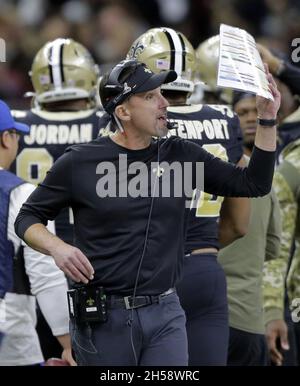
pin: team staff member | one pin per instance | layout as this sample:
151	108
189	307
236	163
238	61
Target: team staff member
123	243
245	259
288	193
32	273
202	290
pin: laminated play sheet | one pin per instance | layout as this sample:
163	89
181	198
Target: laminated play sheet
240	65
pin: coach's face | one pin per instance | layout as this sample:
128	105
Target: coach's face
147	113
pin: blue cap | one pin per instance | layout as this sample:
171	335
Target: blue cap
7	122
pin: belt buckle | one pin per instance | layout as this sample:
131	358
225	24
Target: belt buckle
127	303
128	300
166	293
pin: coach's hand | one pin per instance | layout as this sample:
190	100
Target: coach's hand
72	262
68	258
266	108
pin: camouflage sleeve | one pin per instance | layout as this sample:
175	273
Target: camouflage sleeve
274	267
274	230
293	279
275	270
288	211
292	174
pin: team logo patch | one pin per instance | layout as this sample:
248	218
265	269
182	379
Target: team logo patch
127	88
44	79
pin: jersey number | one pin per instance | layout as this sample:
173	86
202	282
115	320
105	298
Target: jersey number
33	164
209	205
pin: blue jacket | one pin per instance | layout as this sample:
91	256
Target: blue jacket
8	181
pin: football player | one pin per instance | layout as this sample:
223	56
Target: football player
207	54
64	112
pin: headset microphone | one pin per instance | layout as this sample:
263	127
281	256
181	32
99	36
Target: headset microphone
171	125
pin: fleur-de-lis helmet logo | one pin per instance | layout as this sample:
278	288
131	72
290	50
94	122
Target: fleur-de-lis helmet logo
135	50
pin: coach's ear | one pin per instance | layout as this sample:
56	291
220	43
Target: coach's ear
123	113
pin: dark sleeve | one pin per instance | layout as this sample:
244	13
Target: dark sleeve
226	179
291	77
46	201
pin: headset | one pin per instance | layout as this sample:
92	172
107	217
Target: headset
113	85
120	89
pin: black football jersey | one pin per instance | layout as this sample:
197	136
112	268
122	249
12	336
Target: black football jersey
50	134
217	129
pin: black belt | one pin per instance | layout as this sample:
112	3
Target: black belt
129	302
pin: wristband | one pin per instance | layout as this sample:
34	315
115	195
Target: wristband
266	122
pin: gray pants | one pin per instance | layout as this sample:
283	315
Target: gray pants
155	337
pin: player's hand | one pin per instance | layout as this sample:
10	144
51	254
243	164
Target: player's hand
277	330
68	357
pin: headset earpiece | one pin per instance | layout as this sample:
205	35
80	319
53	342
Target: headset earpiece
115	85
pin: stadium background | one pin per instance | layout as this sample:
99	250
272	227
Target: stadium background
108	27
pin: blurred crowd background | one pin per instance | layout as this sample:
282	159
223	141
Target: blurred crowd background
108	27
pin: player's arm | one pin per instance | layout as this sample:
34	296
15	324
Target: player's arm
234	220
288	73
47	282
234	217
274	284
273	295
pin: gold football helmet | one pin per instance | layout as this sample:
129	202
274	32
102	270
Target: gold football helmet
165	49
63	70
207	55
